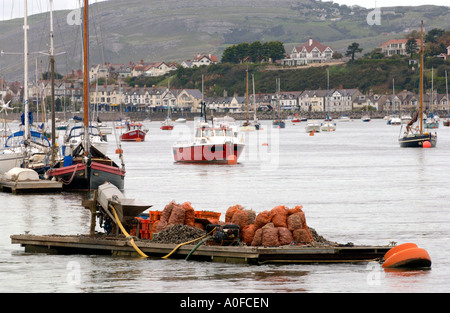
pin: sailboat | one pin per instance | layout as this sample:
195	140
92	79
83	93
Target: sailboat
278	123
24	147
255	119
416	137
446	121
167	124
394	119
247	126
328	125
431	121
9	157
87	168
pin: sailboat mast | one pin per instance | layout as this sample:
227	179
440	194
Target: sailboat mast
254	99
421	79
328	94
86	75
25	73
247	96
52	66
446	90
393	96
432	87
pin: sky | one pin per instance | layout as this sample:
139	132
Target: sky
14	8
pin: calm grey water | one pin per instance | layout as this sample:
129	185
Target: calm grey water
356	185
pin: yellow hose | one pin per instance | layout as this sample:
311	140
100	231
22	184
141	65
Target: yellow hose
185	243
127	235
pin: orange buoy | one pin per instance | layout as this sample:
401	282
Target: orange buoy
312	133
399	248
119	151
232	159
426	144
265	144
138	139
409	258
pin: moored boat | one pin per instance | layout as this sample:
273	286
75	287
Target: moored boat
211	144
134	132
416	137
312	126
86	167
167	124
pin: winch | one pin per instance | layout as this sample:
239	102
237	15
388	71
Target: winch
225	235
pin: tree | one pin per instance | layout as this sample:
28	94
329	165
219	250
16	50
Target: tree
411	46
352	49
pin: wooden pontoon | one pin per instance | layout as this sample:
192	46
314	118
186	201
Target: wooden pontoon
20	180
119	245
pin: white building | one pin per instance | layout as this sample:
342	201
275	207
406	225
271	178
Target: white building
311	51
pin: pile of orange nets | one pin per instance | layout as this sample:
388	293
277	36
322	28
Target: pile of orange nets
277	227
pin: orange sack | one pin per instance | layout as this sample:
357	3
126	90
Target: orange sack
297	209
284	236
165	214
270	236
177	216
230	212
262	219
251	216
302	236
257	239
296	221
247	234
279	216
189	217
240	218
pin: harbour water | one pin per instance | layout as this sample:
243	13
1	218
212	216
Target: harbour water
355	184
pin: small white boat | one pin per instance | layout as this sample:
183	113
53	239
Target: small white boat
180	120
405	118
344	118
328	126
366	118
394	120
312	125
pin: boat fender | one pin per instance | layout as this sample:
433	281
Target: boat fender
409	258
399	248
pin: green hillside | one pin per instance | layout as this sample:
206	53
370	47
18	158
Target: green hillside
173	30
365	74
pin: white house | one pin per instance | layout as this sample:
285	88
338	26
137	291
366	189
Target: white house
396	46
311	51
342	99
202	59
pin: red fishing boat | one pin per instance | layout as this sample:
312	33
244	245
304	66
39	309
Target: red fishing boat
134	132
211	144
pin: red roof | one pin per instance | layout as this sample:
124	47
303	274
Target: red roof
310	45
391	41
211	57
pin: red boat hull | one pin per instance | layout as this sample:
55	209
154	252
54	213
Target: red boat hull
133	135
221	153
167	127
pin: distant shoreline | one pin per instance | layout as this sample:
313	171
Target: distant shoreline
160	116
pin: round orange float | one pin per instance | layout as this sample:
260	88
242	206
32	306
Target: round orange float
399	248
408	258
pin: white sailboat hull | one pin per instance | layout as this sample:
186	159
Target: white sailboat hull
9	160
